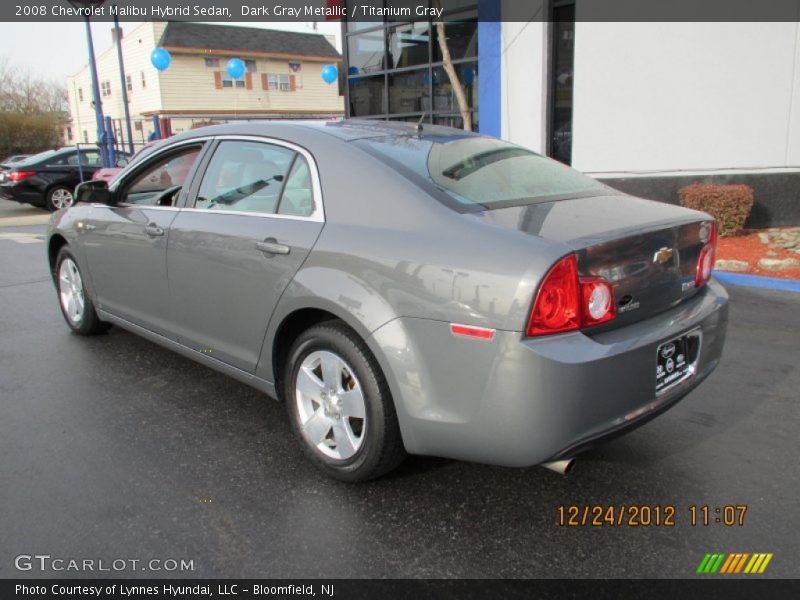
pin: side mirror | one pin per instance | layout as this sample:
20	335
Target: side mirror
95	192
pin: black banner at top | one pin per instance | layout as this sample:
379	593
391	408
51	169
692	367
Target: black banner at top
377	11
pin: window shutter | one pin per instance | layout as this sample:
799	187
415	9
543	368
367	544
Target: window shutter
248	81
293	83
218	79
264	82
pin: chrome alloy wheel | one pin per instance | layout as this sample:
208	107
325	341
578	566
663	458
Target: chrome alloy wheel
70	290
61	198
331	405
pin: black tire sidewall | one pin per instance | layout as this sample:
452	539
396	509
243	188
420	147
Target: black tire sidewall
89	320
349	347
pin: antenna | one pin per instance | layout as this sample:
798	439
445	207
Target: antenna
419	124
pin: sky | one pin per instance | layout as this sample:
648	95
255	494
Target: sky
57	50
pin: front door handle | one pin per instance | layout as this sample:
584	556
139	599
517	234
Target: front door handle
153	230
271	246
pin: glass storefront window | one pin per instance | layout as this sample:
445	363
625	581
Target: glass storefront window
409	91
366	51
462	37
408	45
394	66
444	98
366	96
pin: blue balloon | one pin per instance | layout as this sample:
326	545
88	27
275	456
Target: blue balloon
161	59
467	75
330	73
236	68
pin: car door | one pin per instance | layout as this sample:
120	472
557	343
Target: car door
126	244
249	224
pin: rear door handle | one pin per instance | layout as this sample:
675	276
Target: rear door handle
271	246
153	230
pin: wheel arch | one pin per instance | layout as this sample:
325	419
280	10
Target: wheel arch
54	245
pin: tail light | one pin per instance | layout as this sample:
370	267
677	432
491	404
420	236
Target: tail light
16	176
567	302
705	262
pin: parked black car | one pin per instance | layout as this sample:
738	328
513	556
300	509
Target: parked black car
48	179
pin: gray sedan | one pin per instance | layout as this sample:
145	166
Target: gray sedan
401	289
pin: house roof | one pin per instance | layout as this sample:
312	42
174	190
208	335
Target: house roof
246	40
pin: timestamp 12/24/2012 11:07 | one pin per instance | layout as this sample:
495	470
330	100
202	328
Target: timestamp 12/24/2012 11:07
649	515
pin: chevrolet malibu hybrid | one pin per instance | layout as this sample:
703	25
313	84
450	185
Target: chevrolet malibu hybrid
401	289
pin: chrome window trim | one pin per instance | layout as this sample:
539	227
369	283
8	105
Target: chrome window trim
318	216
157	153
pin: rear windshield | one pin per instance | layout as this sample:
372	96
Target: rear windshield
479	173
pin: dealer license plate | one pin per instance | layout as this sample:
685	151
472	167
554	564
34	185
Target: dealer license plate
676	360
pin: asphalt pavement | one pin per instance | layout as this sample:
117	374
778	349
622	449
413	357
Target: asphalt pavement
114	448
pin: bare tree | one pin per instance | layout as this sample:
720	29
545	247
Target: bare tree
455	82
22	92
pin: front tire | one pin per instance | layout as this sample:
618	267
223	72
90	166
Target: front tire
59	197
75	303
340	406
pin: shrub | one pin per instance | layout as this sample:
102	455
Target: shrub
730	205
27	133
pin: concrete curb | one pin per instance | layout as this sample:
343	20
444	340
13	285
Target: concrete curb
757	281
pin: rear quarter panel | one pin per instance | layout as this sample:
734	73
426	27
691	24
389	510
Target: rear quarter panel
389	250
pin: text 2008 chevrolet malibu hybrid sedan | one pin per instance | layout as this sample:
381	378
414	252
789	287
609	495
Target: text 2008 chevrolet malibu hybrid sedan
401	289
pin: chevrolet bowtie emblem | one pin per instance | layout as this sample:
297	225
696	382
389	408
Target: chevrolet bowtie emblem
663	255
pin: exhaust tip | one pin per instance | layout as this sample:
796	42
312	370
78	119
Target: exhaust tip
560	466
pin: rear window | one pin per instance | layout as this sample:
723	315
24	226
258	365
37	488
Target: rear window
478	173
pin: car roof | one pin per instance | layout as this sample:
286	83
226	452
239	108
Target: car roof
343	129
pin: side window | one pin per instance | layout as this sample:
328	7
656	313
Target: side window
298	195
161	180
91	159
244	176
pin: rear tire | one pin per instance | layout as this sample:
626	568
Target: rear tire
59	197
340	406
73	299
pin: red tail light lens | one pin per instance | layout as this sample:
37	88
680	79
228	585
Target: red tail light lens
16	176
567	302
705	262
557	306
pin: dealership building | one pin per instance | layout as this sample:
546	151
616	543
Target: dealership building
645	106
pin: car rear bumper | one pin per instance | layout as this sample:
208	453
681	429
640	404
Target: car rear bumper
518	401
15	194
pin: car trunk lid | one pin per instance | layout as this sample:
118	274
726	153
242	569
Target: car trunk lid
647	250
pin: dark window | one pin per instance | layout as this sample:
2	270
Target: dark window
409	45
166	173
250	65
212	62
366	96
80	94
484	172
245	177
409	91
462	38
129	83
